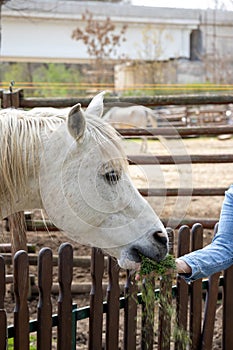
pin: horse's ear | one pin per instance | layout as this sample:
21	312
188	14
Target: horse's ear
76	122
96	106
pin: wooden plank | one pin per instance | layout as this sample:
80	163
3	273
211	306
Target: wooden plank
6	248
21	312
210	308
113	303
206	223
10	279
79	261
163	100
76	288
130	316
65	275
173	192
40	226
44	308
3	317
96	300
182	298
196	293
177	132
180	159
210	312
227	310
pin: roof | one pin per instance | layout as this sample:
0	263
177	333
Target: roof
74	9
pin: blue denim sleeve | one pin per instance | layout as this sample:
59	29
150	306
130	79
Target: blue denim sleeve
218	255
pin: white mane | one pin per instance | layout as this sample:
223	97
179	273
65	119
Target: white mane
20	139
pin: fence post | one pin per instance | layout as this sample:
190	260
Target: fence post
44	309
1	98
21	312
10	98
227	343
196	292
130	315
182	298
16	221
113	295
65	274
3	319
96	300
210	309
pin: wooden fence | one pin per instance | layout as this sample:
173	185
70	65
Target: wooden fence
192	314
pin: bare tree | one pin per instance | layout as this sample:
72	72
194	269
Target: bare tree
101	40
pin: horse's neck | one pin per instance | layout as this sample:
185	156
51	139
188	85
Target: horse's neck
26	196
29	200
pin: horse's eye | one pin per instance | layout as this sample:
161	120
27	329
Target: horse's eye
112	177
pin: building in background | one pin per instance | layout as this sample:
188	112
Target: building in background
162	44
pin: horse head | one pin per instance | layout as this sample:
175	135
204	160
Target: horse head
88	193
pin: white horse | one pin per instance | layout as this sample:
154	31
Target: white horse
70	163
131	117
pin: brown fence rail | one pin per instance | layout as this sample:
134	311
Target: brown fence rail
186	301
150	101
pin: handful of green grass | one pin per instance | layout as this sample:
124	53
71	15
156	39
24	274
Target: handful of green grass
148	269
148	265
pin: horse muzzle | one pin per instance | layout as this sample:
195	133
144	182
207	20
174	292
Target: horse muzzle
154	245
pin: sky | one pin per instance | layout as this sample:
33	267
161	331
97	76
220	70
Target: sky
201	4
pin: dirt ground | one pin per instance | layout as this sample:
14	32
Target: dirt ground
154	176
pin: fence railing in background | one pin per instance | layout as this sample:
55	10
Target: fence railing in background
150	101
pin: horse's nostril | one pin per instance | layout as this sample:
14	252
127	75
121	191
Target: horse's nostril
159	237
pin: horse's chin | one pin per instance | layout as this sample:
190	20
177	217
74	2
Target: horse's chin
129	264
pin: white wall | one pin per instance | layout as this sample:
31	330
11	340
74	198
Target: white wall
40	35
41	30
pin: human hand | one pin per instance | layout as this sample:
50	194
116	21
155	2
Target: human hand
182	267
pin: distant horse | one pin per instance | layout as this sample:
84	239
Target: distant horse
71	163
132	117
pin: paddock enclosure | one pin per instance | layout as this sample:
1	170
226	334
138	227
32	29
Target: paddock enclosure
116	315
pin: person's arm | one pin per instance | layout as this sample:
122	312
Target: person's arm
218	255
